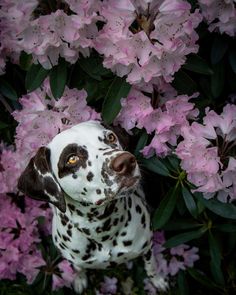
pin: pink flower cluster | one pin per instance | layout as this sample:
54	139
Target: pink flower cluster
220	15
147	39
64	276
170	261
165	122
108	286
18	239
15	16
61	33
206	154
65	32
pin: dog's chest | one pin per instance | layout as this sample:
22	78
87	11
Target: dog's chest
98	238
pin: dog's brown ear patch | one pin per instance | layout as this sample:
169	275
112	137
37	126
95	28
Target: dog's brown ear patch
38	182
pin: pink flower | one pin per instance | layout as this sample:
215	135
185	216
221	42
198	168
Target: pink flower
156	47
170	261
220	15
65	278
18	242
166	121
205	153
109	286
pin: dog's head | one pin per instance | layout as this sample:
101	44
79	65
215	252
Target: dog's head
85	162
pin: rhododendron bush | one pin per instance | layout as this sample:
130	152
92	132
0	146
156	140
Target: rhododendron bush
163	72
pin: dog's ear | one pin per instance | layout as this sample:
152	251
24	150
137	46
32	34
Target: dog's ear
38	182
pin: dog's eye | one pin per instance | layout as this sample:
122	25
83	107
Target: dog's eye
111	138
73	159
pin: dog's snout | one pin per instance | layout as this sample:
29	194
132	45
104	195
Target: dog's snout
124	163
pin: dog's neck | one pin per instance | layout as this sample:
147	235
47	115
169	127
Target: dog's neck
94	212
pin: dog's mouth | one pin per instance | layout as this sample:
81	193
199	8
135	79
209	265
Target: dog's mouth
127	183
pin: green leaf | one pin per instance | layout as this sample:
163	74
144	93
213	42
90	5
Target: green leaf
226	227
166	208
93	67
215	260
184	237
182	283
218	49
189	202
35	77
174	161
141	143
218	79
197	64
222	209
58	77
111	106
25	60
3	125
184	83
232	59
202	278
7	90
178	224
155	165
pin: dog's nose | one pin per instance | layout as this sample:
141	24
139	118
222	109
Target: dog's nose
124	164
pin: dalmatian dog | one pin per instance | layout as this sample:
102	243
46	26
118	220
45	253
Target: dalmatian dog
99	214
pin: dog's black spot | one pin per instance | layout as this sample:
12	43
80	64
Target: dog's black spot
76	251
105	238
79	212
89	163
85	189
129	216
113	264
148	255
114	243
72	149
86	257
145	245
55	238
98	230
127	243
107	225
122	218
71	207
65	238
98	191
115	222
91	246
120	254
96	156
123	234
64	219
86	231
61	246
129	202
74	176
69	232
90	176
58	233
70	226
138	209
143	220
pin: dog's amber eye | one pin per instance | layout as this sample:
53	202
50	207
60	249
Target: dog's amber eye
111	138
73	159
